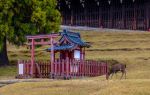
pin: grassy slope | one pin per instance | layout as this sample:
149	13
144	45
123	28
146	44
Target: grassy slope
80	87
131	48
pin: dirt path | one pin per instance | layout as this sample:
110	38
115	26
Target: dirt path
11	81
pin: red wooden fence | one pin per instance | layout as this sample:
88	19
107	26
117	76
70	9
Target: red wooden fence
65	69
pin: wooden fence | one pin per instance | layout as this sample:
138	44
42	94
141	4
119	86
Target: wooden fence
64	69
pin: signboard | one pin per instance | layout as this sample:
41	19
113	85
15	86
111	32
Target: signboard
76	54
21	69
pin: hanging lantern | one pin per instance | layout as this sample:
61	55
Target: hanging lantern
82	3
69	6
97	3
66	2
133	1
121	1
109	1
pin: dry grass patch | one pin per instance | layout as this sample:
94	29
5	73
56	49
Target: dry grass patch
126	87
70	87
94	86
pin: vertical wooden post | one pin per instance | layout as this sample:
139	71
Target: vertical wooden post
100	18
134	17
85	17
147	15
82	68
70	73
95	68
84	53
67	68
80	62
55	66
87	74
62	68
71	17
72	67
52	57
111	16
90	68
81	54
123	17
98	68
76	20
89	18
59	66
18	66
106	71
92	64
85	67
32	58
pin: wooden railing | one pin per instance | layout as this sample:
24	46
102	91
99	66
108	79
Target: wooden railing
62	69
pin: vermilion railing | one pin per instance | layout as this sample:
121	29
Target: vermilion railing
62	69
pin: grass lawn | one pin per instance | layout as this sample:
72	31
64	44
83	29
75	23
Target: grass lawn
93	86
131	48
8	72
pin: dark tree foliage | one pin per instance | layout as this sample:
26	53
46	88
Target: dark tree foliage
25	17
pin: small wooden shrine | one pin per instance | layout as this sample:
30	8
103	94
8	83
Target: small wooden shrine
70	46
68	63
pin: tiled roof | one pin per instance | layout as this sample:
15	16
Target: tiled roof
63	47
69	33
74	39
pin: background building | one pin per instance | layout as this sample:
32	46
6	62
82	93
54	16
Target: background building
118	14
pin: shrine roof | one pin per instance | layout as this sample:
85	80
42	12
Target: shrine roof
63	47
74	40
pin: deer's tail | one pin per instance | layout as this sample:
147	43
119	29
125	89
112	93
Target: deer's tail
125	65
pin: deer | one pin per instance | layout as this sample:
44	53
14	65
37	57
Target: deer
115	69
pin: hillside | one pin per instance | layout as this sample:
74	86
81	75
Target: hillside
131	48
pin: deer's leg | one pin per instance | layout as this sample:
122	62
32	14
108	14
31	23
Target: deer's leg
125	73
122	74
112	75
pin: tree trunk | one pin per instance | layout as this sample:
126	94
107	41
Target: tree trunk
3	54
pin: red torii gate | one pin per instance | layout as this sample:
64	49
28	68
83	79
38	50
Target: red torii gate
42	40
